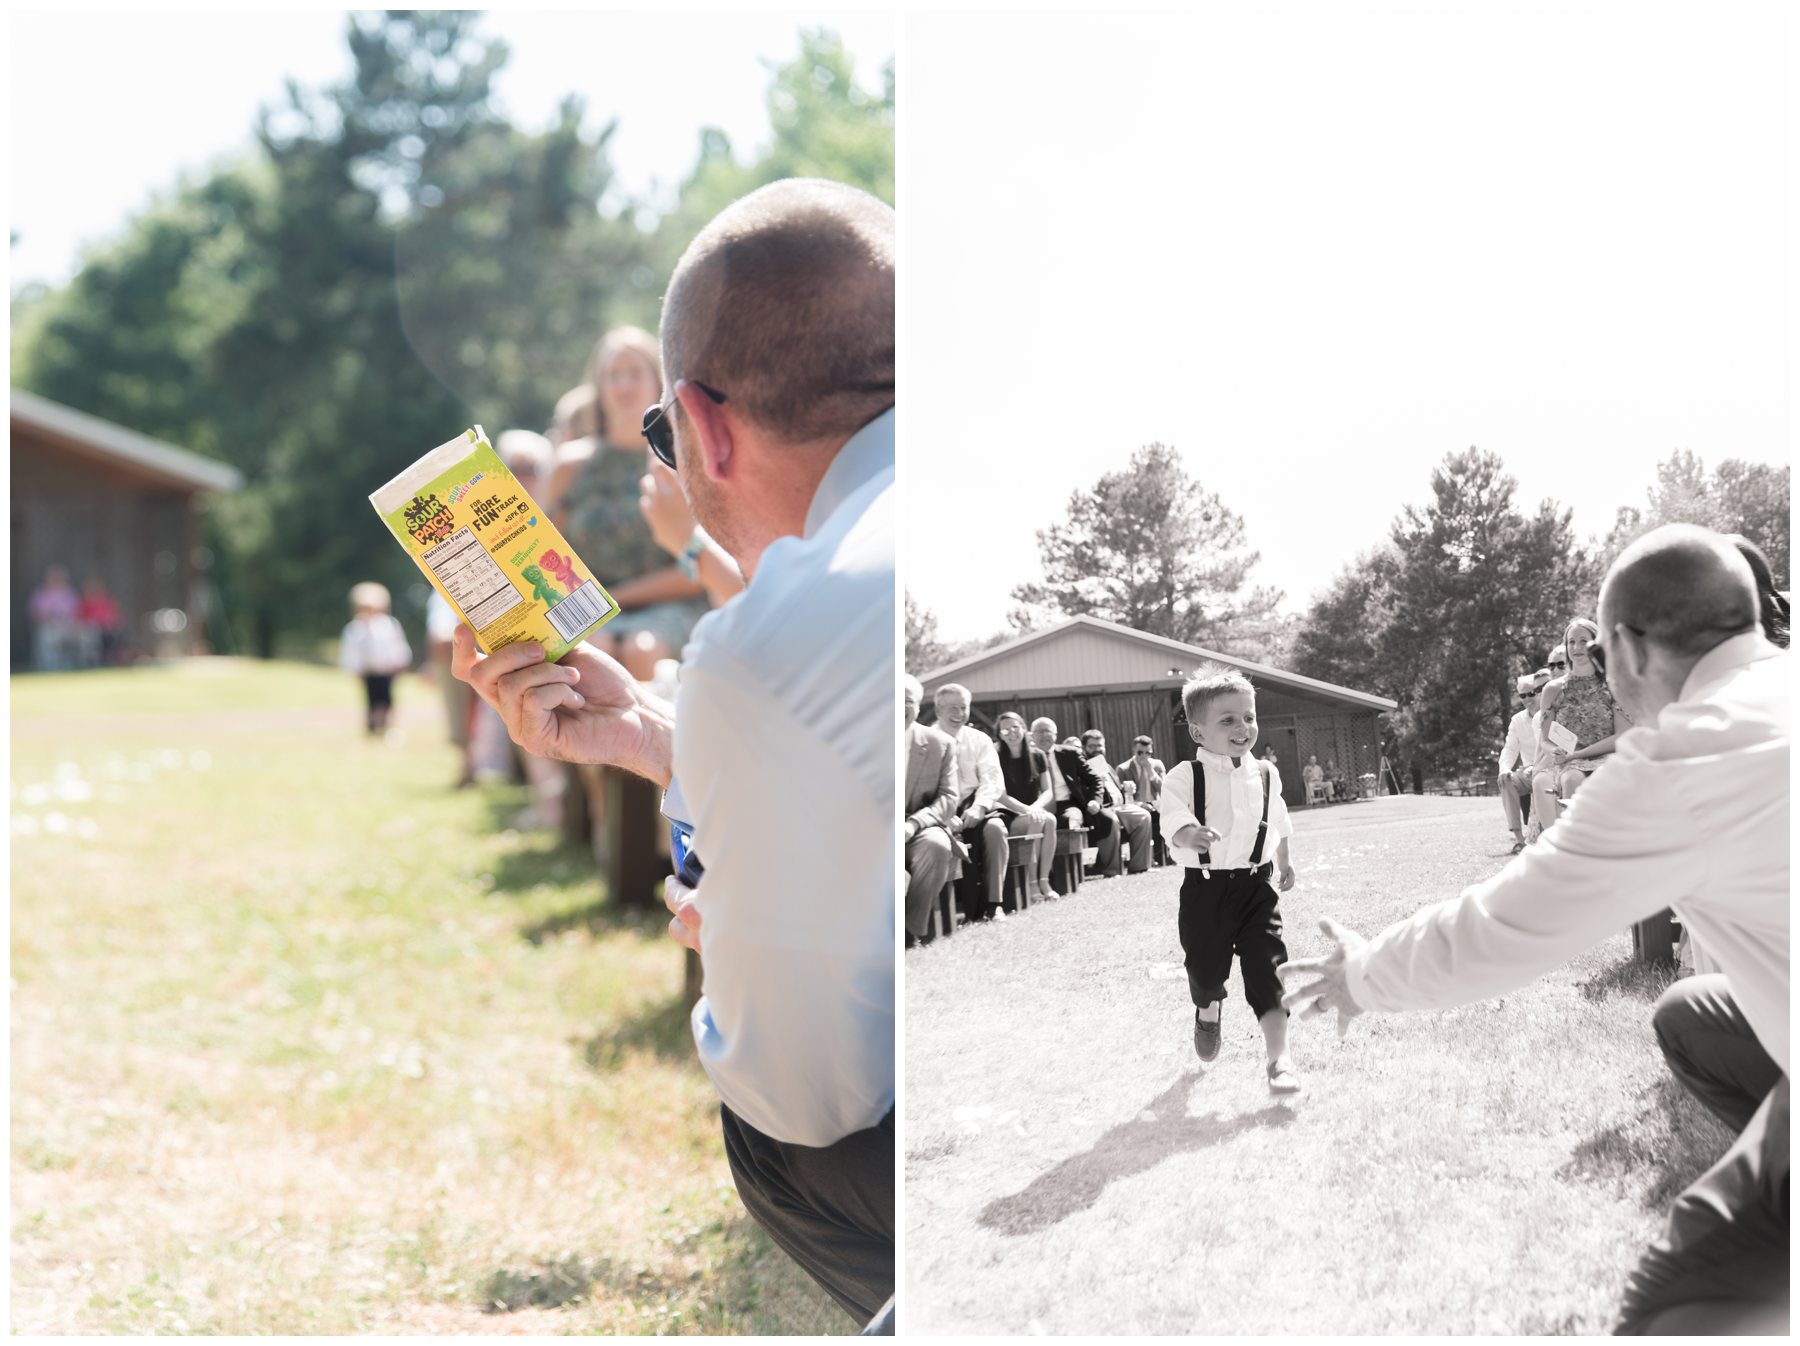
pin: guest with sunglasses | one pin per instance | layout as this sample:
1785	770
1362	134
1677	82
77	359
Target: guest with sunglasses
778	347
1578	700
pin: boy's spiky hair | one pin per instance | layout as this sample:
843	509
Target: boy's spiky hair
1210	681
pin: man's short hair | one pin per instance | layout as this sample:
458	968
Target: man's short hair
950	688
913	685
1526	684
1044	719
785	304
1685	587
1092	733
1208	684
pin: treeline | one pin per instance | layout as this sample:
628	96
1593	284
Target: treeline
1464	594
394	261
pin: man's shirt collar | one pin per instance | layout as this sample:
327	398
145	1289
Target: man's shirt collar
865	455
1727	657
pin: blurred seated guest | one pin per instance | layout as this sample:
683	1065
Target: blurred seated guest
1268	753
929	805
374	647
1314	776
55	636
1334	780
1074	793
596	484
1581	703
98	618
577	417
672	524
978	776
1771	603
1134	822
1518	756
1144	772
1556	665
1026	796
441	622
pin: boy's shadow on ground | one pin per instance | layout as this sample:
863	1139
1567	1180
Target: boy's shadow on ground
1127	1149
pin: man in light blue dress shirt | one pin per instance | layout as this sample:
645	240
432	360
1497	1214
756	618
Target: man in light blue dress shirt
1691	812
778	343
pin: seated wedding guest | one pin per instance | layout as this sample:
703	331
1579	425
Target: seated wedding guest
1313	775
55	637
1771	603
98	618
1074	793
1334	780
1026	797
672	524
1581	703
1519	754
1556	665
1134	823
981	830
1691	812
1144	772
929	805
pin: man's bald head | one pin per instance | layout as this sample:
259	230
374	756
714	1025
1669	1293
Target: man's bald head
785	303
1685	587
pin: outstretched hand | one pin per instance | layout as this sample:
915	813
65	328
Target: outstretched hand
1329	988
585	709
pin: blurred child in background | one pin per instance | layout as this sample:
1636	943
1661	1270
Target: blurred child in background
374	648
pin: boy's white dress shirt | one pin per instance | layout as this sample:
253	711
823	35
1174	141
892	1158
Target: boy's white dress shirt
1690	813
1234	798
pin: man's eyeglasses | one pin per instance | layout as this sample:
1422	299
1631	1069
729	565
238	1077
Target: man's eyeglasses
1597	652
659	424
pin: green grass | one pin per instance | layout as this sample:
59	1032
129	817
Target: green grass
1071	1168
304	1041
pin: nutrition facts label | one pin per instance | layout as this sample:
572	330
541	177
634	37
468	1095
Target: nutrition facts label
472	578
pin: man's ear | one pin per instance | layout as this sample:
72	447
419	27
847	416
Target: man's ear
1634	648
712	430
1193	731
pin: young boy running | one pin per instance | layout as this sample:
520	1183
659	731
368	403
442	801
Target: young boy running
1221	814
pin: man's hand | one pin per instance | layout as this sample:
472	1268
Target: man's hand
609	721
685	925
1093	806
1330	988
974	816
1285	880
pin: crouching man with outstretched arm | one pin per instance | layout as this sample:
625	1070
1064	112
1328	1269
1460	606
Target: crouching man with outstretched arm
1691	812
778	344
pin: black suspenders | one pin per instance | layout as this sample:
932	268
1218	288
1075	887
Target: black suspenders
1262	826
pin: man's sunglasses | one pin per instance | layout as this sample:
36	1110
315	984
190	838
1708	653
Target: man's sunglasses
659	424
1557	663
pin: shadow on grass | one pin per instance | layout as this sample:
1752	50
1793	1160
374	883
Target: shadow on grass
1127	1149
662	1030
1665	1141
554	863
567	1281
1630	979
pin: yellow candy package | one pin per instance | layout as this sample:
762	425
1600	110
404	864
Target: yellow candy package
485	546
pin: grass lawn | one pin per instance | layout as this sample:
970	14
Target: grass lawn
303	1041
1072	1168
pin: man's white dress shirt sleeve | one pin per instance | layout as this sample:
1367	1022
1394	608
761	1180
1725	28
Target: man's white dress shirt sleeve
1513	751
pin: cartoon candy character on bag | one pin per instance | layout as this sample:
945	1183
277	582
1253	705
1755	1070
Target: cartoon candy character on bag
540	587
560	566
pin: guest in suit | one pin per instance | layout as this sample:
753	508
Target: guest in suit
930	804
978	775
1691	812
1133	821
1519	755
1145	771
1074	792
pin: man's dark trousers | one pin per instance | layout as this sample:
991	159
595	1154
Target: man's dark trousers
831	1209
1727	1239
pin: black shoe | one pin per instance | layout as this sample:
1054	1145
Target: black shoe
1206	1036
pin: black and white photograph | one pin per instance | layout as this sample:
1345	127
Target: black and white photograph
1346	547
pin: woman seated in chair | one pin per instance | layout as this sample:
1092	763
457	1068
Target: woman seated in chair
1025	803
1579	701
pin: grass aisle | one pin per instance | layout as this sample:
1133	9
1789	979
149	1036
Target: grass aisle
305	1042
1072	1168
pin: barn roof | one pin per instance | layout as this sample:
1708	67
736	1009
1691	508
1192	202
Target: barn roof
1086	651
95	438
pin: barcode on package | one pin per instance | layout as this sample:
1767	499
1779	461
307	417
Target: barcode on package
580	610
471	577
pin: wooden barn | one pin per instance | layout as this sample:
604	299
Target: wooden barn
1092	674
107	502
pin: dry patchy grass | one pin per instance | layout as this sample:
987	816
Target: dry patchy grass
1071	1167
303	1043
